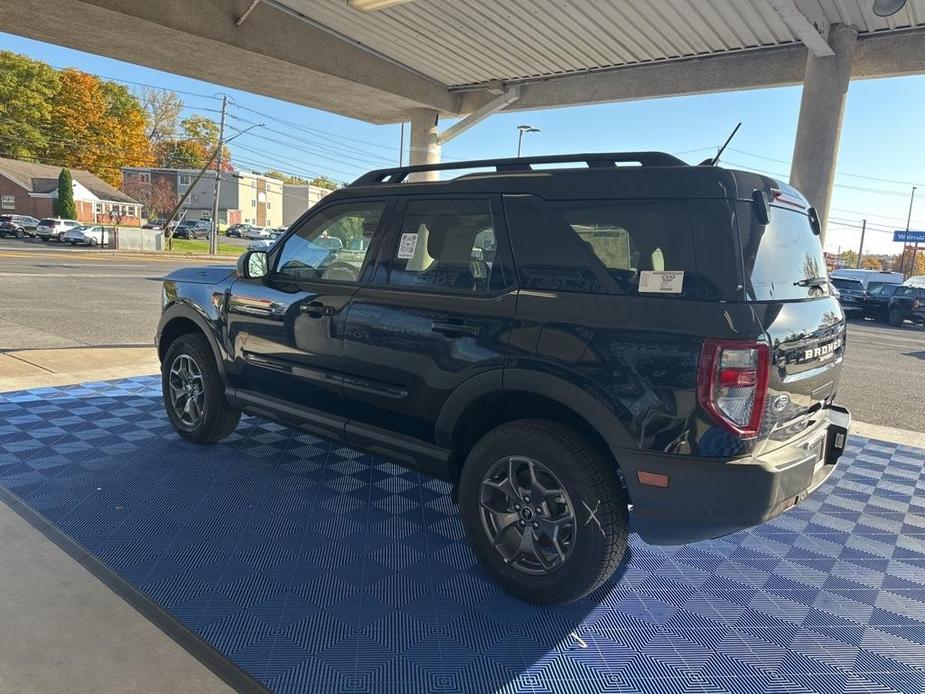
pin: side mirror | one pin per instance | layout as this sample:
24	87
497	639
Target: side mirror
253	265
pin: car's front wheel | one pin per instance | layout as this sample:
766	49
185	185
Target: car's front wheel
544	510
194	394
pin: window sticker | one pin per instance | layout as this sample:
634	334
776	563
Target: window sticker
409	242
661	282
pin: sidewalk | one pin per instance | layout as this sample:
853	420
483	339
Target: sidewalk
38	368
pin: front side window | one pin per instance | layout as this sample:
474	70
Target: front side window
446	245
321	248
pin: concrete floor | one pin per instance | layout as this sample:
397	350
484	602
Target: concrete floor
65	631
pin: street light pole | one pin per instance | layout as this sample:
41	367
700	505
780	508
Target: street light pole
520	135
902	258
861	249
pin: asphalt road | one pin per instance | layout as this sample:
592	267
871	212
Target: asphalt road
61	297
58	296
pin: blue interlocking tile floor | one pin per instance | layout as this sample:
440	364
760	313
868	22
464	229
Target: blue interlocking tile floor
318	569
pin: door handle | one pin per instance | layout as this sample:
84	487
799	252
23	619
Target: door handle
316	309
454	328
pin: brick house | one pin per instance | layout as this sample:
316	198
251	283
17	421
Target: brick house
29	188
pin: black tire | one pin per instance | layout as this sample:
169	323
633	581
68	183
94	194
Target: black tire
218	418
896	317
599	536
20	233
93	243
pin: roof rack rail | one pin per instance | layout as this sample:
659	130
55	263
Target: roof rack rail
521	164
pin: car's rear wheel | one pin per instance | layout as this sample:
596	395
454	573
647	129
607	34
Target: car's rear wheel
544	510
194	394
896	317
20	233
94	243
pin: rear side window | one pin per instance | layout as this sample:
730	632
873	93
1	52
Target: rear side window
47	222
447	245
606	247
782	258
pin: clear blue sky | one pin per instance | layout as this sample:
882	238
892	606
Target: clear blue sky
882	137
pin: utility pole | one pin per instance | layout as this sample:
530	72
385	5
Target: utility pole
902	258
213	238
861	249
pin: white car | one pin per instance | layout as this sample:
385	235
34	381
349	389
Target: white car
88	235
267	243
258	233
54	228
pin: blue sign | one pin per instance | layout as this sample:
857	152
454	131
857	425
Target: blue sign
909	236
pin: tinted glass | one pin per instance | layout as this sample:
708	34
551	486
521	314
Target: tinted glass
879	289
603	246
48	222
852	285
317	249
446	245
781	256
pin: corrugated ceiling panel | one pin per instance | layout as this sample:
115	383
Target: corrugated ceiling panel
461	42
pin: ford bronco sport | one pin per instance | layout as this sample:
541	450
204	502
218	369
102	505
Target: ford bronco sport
569	348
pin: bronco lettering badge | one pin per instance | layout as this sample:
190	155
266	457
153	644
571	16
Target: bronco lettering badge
823	351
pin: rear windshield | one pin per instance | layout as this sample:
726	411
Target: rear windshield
853	285
783	258
47	222
881	289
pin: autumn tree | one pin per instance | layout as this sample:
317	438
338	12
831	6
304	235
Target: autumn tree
162	114
157	198
65	207
27	90
870	263
98	126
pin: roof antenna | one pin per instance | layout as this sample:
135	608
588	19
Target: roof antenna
715	160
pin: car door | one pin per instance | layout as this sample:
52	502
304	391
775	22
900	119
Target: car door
285	330
437	312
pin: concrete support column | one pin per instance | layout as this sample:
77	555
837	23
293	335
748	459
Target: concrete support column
425	148
815	152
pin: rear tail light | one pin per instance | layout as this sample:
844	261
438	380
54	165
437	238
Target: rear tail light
732	384
918	304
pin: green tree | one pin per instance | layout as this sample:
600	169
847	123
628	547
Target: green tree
27	91
325	182
286	178
64	205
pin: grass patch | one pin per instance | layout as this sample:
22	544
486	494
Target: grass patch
202	246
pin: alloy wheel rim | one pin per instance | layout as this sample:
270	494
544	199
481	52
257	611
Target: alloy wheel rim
527	515
187	390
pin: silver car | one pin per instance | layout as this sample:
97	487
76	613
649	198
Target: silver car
54	228
86	235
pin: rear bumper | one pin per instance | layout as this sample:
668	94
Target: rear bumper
708	498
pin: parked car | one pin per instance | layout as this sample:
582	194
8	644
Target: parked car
267	243
54	228
660	337
237	230
87	235
875	304
907	303
154	224
18	225
193	229
255	232
855	286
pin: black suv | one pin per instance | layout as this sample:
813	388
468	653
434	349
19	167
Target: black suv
906	303
561	345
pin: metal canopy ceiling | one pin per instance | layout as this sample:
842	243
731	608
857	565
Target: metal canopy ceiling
469	42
